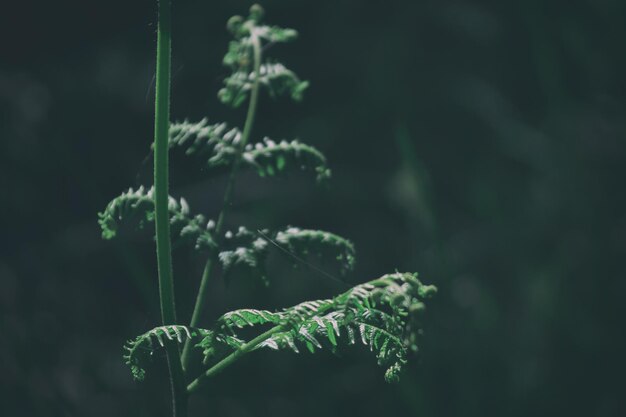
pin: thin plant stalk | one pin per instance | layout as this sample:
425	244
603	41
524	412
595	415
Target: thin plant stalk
161	193
245	136
232	358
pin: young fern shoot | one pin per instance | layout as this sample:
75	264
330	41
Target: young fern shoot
382	314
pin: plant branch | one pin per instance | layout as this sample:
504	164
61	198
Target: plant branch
161	192
232	358
247	129
245	348
199	306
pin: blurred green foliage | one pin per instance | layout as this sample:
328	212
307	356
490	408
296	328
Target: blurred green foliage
479	143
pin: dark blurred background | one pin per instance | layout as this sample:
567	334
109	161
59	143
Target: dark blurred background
481	143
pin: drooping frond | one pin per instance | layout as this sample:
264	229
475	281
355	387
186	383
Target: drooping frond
243	250
380	314
274	76
325	245
280	80
138	206
248	250
139	350
218	144
274	159
215	142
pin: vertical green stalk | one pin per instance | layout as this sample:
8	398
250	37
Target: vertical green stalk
161	157
245	135
161	192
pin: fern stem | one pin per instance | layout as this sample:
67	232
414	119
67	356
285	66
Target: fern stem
161	192
199	307
247	129
247	347
232	358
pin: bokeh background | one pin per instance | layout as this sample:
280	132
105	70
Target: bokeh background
481	143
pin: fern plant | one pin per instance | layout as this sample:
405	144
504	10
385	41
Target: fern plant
382	314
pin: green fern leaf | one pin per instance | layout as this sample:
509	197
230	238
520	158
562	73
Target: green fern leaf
379	313
140	350
138	205
218	144
325	245
248	251
249	317
275	159
216	344
243	250
215	142
275	77
239	58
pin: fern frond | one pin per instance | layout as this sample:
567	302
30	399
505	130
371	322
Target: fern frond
138	205
214	344
279	80
273	159
140	349
325	245
249	317
274	76
218	144
248	250
243	250
379	313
